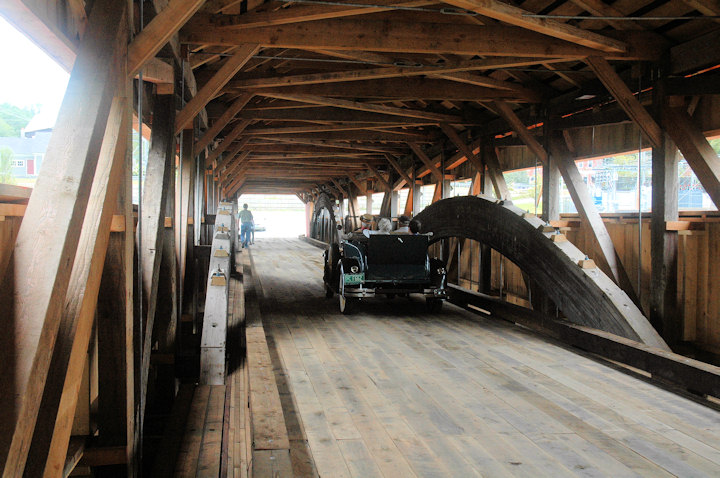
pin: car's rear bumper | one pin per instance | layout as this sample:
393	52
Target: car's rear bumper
361	292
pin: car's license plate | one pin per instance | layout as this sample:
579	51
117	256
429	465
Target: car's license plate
354	278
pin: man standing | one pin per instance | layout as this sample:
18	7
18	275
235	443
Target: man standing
246	225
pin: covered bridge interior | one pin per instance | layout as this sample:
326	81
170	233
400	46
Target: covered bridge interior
140	340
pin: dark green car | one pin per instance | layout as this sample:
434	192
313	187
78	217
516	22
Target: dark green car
383	264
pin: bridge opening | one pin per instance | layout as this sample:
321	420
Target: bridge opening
275	215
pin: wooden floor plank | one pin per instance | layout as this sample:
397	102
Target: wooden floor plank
395	391
187	464
209	458
171	442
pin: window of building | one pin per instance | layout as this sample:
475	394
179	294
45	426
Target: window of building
18	163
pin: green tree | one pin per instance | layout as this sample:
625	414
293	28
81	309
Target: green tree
6	159
13	119
715	143
6	131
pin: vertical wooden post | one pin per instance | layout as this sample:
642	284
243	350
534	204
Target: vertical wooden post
446	188
550	182
166	326
118	410
663	243
185	190
485	268
551	190
416	195
159	165
353	208
495	171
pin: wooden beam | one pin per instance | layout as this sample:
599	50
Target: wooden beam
330	135
340	188
230	156
386	186
57	408
161	159
601	9
495	171
589	213
488	82
504	110
356	105
35	284
426	161
308	149
403	174
227	142
463	147
335	115
352	131
449	70
663	243
233	166
185	200
310	160
517	16
706	7
568	78
160	73
410	88
332	144
231	66
428	38
695	148
551	190
223	121
625	98
695	54
304	13
167	310
235	186
158	32
362	187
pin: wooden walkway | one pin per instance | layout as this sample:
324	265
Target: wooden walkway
395	391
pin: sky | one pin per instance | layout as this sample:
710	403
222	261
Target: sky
30	77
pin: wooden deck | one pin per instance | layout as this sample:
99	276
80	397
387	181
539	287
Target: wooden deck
395	391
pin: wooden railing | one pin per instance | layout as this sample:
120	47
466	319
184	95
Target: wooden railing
214	330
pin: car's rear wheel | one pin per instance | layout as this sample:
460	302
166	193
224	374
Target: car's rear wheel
328	292
434	305
346	304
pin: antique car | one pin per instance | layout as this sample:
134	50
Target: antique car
383	264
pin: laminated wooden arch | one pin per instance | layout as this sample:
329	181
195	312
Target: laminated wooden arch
323	202
585	295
